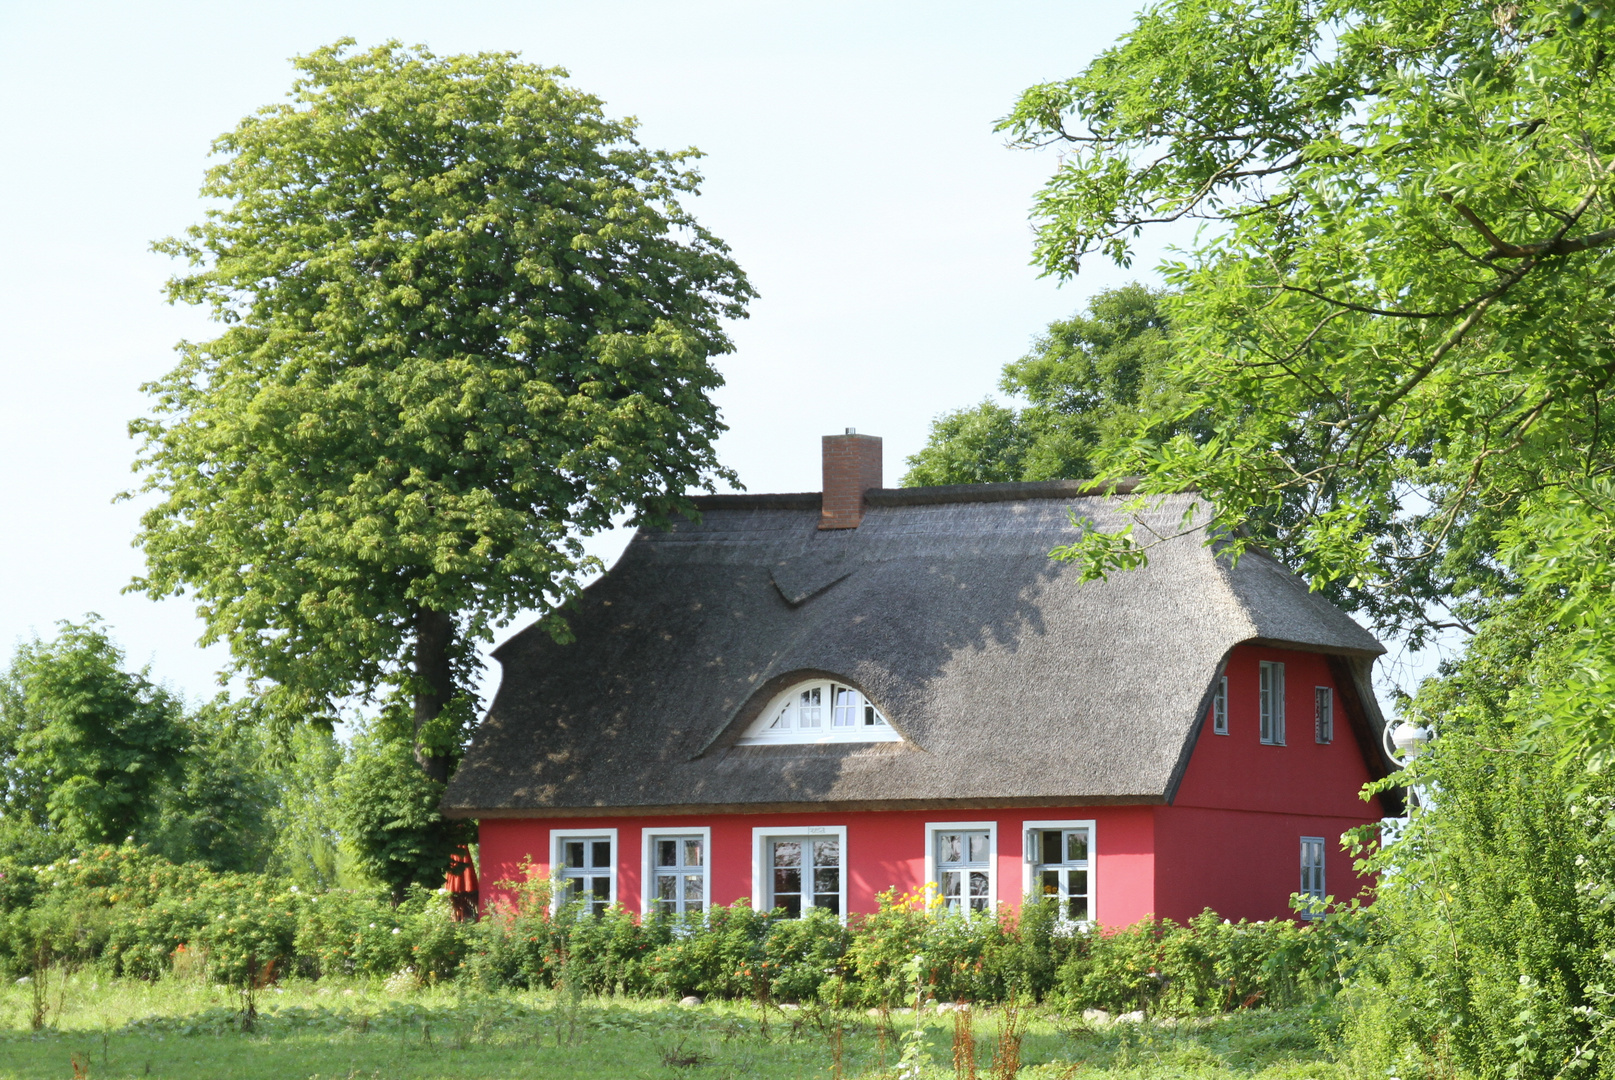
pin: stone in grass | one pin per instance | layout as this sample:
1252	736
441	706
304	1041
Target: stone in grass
1096	1016
1134	1017
690	999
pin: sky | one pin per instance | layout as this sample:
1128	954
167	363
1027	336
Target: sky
851	165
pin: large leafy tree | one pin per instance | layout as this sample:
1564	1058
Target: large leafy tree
1086	378
86	748
1405	288
466	320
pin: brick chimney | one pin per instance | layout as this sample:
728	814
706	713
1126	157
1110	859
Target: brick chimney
851	467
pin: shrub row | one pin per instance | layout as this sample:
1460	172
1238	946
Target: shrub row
134	914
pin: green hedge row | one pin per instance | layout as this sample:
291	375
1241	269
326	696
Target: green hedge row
134	914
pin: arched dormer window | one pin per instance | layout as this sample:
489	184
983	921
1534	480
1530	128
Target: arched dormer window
819	711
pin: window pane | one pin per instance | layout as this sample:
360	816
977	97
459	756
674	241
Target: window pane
1076	846
694	888
826	853
692	852
808	707
978	847
667	887
787	880
950	887
1076	908
1076	882
574	854
600	887
948	843
1051	882
667	853
602	854
788	853
572	889
978	885
782	719
792	905
826	880
846	700
1051	847
830	902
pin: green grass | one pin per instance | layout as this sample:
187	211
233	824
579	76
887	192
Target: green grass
105	1029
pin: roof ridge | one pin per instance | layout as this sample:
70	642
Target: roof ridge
924	496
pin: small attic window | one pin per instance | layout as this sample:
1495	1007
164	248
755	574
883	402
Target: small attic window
819	711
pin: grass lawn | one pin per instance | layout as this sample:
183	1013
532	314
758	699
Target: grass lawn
104	1029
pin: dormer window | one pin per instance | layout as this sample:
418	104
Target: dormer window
819	711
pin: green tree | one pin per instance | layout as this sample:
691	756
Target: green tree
85	746
1494	920
466	322
1407	288
218	809
387	813
1087	381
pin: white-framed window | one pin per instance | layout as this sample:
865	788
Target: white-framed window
1324	714
819	711
1312	883
1219	707
584	862
1060	865
1272	702
799	869
960	859
676	871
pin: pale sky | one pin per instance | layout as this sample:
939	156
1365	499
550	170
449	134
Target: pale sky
851	164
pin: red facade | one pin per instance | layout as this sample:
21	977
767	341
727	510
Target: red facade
1230	839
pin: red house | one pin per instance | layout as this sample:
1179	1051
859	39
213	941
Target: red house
804	700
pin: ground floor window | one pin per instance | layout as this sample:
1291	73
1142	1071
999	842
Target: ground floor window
586	864
1059	854
959	861
677	871
1312	867
801	871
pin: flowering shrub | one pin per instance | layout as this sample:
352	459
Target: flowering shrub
135	914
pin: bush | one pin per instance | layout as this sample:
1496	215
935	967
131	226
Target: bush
138	915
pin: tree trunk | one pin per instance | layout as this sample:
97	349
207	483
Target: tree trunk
434	634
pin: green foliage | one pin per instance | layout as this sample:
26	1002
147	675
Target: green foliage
388	814
85	747
308	851
1398	326
135	914
1496	926
466	320
1086	383
217	811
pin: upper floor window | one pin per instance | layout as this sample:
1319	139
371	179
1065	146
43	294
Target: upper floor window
1324	714
1219	707
1271	702
820	711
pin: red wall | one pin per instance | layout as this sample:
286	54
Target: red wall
885	849
1230	841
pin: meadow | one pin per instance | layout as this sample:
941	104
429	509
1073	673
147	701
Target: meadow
178	1027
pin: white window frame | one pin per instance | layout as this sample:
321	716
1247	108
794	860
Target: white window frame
558	858
648	838
933	884
762	886
760	733
1270	706
1322	869
1029	859
1323	714
1219	707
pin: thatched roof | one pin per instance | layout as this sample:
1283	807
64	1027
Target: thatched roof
1012	682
